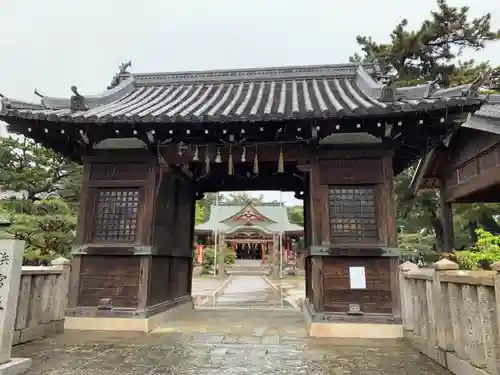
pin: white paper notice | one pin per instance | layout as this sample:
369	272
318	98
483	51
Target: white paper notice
357	277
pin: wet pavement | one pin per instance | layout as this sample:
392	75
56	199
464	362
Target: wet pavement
206	285
293	289
228	342
242	337
247	292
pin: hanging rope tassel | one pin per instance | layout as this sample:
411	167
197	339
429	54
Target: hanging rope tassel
256	162
230	162
207	162
196	156
281	162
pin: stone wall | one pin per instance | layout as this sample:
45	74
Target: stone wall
42	301
452	315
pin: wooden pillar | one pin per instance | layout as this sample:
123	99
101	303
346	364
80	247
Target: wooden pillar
134	244
307	240
446	217
220	255
263	252
350	230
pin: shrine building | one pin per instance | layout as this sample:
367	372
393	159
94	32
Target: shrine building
250	230
154	143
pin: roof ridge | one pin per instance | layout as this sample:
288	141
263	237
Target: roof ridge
251	74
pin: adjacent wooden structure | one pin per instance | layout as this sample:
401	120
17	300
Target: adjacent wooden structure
154	143
465	167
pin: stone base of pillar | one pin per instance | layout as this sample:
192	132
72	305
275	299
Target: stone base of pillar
330	325
128	319
16	366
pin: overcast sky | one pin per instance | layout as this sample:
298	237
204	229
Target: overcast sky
53	44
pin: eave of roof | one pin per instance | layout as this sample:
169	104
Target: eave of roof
276	215
487	118
256	95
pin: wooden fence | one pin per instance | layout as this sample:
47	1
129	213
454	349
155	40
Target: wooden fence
453	316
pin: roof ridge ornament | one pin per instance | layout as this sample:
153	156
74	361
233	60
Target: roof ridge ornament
122	69
481	80
4	102
37	93
389	92
434	85
76	101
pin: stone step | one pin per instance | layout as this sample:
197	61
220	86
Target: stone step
248	271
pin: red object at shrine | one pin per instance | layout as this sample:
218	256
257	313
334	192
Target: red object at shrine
200	252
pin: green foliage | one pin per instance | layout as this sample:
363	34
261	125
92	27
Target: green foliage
28	166
47	226
241	197
422	54
485	252
199	214
418	247
296	215
208	257
46	219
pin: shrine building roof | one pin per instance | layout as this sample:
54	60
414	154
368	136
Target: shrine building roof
267	217
243	95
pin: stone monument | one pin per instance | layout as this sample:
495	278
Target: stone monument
11	260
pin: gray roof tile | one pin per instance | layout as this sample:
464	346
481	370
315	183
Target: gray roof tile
328	91
491	109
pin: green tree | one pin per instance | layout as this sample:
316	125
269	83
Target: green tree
430	53
45	218
296	215
27	166
47	226
207	202
241	197
199	214
432	49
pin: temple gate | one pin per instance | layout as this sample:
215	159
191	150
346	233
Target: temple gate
154	143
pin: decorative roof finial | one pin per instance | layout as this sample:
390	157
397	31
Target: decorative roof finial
77	101
122	69
4	102
37	93
435	85
482	80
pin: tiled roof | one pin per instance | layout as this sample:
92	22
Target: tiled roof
491	109
275	213
329	91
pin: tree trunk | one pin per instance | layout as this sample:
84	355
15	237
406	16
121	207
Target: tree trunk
472	226
438	230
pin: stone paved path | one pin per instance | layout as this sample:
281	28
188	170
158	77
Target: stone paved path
231	342
225	342
250	292
205	285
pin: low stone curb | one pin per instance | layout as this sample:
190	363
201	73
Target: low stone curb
295	303
216	293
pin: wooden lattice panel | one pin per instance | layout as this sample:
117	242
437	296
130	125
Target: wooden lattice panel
352	213
116	214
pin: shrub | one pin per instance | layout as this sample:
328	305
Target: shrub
485	252
208	257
